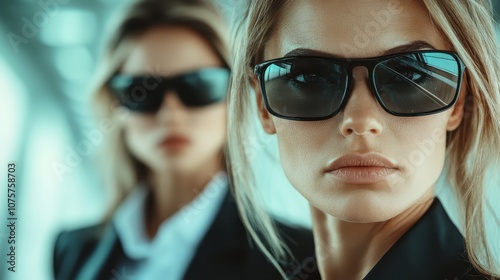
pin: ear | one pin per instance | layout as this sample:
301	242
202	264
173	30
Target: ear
266	119
457	113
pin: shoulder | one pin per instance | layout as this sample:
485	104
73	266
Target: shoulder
69	240
470	272
228	250
300	241
295	235
72	247
69	236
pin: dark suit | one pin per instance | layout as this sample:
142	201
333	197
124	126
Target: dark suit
433	249
225	252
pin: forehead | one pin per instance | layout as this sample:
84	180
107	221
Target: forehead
353	29
169	50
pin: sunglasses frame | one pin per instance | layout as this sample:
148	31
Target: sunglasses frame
348	65
162	80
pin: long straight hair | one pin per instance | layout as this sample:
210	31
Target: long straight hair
472	150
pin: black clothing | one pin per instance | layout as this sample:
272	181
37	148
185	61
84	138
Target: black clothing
433	249
225	252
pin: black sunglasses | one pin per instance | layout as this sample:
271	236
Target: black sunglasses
145	93
307	88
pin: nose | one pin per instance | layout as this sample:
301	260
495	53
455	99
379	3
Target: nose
362	115
172	109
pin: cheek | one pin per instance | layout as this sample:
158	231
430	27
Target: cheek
208	125
422	145
138	122
137	126
139	134
290	140
208	118
419	149
304	147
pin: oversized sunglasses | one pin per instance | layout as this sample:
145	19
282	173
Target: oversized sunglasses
308	88
145	93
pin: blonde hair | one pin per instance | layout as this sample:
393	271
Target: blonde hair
472	149
120	169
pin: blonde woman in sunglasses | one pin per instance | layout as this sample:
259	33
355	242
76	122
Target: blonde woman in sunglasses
161	93
371	103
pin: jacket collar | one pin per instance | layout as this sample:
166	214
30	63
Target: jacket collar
108	242
183	229
237	254
226	231
432	249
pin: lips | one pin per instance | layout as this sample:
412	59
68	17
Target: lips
361	168
174	142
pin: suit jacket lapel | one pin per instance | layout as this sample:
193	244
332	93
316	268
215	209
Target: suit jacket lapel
93	266
223	245
432	248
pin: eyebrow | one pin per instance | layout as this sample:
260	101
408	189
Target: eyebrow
412	46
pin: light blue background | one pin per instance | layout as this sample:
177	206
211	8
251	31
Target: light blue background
45	110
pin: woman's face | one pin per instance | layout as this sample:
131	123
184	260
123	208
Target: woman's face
175	137
414	147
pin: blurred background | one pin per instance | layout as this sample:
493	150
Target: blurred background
48	55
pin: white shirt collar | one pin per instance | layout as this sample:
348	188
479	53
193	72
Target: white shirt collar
185	229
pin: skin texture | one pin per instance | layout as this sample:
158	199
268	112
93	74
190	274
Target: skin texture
177	174
355	224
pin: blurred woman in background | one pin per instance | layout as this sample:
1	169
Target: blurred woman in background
163	88
371	102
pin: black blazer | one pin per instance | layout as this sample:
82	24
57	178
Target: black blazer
433	249
225	252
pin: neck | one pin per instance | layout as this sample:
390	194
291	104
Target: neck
350	250
171	190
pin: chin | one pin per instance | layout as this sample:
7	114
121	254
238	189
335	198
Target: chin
364	207
364	216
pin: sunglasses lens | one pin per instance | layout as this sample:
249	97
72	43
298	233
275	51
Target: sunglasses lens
203	87
304	88
137	93
145	94
418	83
